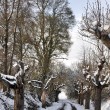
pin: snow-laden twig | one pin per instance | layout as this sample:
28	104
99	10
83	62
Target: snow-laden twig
22	69
59	86
51	78
36	83
86	73
106	80
77	90
39	84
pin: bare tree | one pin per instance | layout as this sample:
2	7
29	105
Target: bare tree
95	22
99	81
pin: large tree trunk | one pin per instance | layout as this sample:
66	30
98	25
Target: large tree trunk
19	95
87	100
75	90
106	40
6	37
81	98
81	94
43	98
1	85
98	91
6	41
19	98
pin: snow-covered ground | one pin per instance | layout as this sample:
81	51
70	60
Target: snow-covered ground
81	107
6	103
106	105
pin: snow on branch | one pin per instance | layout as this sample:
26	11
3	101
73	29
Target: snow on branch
94	81
86	73
49	80
77	90
9	80
59	86
22	68
97	73
39	84
97	79
106	80
86	88
12	81
36	83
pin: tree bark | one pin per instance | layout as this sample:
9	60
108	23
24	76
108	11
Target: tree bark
43	98
81	94
6	37
19	98
98	91
106	40
87	100
19	95
79	98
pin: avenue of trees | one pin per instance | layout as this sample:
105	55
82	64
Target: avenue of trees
95	65
35	33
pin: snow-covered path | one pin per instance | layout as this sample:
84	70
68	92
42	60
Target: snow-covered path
61	105
66	105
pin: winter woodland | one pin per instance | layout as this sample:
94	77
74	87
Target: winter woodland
34	40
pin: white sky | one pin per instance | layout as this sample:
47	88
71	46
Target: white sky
75	51
78	7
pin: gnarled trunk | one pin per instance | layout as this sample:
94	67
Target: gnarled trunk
98	91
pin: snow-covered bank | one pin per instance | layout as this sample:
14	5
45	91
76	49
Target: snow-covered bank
7	102
106	105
